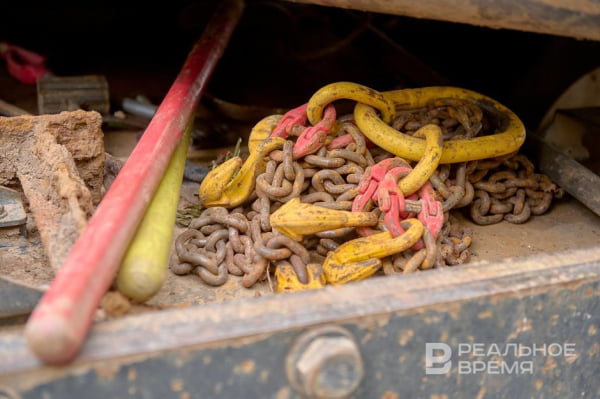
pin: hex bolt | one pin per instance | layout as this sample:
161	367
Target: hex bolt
325	363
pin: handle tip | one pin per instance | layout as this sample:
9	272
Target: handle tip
52	340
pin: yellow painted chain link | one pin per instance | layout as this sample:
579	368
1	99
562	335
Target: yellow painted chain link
509	137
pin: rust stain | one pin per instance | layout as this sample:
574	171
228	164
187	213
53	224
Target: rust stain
264	376
390	395
432	319
131	374
177	385
404	336
206	359
592	330
245	367
481	393
107	371
554	319
375	324
284	393
444	336
522	325
485	314
440	396
539	384
185	395
571	358
594	350
549	365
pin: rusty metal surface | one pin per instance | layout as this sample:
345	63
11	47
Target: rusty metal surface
16	299
238	349
579	19
575	178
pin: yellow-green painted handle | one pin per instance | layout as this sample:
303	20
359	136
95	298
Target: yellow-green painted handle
144	267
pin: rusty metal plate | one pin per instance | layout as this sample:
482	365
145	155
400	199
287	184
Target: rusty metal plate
240	348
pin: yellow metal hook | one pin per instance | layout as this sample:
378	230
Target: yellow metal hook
296	219
230	185
360	258
288	281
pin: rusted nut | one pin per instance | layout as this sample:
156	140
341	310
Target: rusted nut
325	363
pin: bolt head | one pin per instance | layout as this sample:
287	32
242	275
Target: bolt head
326	366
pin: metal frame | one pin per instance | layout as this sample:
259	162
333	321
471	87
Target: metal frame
579	19
239	348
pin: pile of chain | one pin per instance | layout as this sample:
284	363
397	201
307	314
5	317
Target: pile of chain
508	189
242	242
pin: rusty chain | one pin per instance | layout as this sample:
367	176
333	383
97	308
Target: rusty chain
242	242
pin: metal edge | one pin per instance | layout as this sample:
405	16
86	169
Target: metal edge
210	324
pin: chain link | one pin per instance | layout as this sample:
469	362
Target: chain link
242	242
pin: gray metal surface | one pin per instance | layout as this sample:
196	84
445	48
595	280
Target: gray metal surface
12	212
16	299
239	348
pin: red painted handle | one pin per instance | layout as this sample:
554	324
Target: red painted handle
58	326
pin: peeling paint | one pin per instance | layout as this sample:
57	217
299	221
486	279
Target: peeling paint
131	374
284	393
264	376
177	385
485	314
390	395
549	365
404	336
592	330
246	367
107	371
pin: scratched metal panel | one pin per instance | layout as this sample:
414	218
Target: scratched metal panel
238	349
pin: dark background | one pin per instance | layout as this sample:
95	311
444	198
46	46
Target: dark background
282	52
